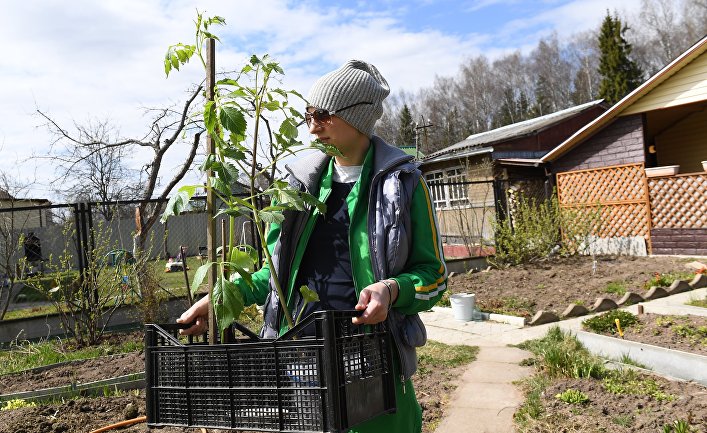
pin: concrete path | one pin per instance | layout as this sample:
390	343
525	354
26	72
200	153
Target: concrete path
486	398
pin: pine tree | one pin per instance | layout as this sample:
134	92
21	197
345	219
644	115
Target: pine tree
619	74
406	128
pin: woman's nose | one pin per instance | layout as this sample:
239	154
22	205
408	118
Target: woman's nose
314	126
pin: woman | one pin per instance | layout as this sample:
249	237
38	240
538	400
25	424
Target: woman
376	249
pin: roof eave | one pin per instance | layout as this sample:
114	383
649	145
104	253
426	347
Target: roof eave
590	128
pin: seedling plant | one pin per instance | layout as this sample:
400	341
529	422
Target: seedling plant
248	115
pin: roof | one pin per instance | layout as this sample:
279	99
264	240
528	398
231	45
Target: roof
4	195
512	131
412	151
605	118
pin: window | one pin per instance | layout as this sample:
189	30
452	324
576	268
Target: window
447	188
436	188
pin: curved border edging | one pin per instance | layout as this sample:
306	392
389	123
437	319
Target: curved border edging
602	304
674	363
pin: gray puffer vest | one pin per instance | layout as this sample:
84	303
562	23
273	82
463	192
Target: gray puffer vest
394	179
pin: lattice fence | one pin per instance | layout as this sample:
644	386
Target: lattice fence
679	201
619	194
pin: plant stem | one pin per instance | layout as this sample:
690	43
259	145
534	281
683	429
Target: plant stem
256	215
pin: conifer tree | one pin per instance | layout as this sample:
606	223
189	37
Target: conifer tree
619	74
406	128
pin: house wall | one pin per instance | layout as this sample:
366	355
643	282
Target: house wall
550	137
22	220
684	144
679	241
619	143
688	85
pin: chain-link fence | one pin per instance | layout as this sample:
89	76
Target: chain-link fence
33	236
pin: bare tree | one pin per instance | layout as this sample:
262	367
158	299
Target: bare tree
552	74
666	28
584	56
12	226
93	171
168	129
477	95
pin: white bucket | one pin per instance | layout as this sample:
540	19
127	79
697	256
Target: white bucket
463	306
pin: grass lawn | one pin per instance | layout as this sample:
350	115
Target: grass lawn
172	284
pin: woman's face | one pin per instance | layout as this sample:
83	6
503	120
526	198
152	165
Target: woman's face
337	133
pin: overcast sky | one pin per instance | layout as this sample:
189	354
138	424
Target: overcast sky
84	60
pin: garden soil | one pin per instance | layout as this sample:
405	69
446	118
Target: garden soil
87	414
520	290
607	412
552	285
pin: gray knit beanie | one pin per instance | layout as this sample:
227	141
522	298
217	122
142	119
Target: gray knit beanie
356	81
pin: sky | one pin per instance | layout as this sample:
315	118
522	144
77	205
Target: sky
86	61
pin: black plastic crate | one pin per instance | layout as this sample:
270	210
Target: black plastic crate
329	382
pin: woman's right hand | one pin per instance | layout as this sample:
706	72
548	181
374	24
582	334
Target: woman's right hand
198	314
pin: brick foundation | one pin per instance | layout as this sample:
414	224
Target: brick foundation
679	241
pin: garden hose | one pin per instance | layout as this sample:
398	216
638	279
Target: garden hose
121	424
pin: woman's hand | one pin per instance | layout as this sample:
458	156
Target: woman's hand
198	314
375	300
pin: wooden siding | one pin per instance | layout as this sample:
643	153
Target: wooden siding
687	86
684	144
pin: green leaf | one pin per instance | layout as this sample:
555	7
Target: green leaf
288	128
220	186
227	301
210	35
272	217
209	163
308	294
210	116
242	259
227	82
326	148
234	212
233	120
178	202
238	93
199	277
167	64
271	105
313	201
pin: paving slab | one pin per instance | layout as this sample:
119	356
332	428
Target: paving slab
486	398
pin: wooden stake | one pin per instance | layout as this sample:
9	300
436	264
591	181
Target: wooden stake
210	196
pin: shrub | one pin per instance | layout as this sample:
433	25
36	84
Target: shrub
572	396
537	230
562	355
606	322
17	403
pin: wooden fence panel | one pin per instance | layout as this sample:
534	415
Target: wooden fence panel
620	192
679	201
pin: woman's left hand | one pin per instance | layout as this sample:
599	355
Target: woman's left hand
375	300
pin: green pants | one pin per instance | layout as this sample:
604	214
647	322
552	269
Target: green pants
407	418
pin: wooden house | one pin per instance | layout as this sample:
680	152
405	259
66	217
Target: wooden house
642	163
471	180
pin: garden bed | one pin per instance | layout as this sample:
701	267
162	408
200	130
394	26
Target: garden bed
686	333
554	284
433	385
574	391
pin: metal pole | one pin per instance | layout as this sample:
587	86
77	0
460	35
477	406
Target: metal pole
210	196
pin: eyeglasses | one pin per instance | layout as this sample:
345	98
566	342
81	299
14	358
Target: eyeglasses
322	115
